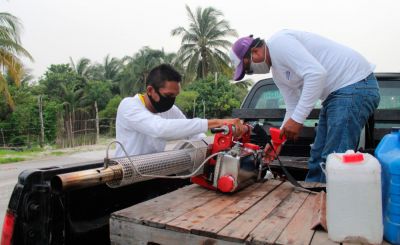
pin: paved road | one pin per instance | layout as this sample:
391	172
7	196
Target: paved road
9	172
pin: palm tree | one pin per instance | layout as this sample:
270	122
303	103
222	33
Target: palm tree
137	68
244	84
109	70
112	67
203	46
10	50
81	67
72	98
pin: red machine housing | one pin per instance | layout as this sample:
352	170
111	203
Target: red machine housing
224	140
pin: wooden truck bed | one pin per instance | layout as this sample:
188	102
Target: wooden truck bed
264	213
273	212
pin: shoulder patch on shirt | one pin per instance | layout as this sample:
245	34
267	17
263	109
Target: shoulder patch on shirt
287	73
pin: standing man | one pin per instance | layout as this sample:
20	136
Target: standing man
146	122
307	67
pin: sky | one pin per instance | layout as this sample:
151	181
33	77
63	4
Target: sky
54	30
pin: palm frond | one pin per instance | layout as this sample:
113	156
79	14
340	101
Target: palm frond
10	45
4	90
12	24
12	65
202	41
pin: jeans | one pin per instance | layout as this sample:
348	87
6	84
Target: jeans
343	115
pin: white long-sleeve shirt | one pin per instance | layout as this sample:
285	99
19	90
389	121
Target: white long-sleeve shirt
144	132
307	67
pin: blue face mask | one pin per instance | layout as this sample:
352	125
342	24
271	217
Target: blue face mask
260	67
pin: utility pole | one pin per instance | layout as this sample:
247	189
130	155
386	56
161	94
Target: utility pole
40	101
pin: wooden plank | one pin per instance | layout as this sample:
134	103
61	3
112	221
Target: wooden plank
200	214
185	222
299	231
321	238
319	214
123	232
159	218
141	211
246	199
239	229
268	231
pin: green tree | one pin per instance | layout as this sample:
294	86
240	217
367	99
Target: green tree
203	46
112	67
82	67
109	114
99	91
57	76
23	122
220	96
72	100
110	111
109	70
244	84
10	51
137	68
185	101
50	111
72	96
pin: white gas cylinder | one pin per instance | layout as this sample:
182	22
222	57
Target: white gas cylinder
354	201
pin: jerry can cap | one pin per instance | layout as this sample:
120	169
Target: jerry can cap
395	129
353	158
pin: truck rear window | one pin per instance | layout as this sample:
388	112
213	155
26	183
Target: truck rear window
269	97
390	95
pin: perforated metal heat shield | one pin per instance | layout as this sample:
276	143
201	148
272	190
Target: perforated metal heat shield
186	157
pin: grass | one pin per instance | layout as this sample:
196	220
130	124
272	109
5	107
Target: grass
23	153
57	153
11	159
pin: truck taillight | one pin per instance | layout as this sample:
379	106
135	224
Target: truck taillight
8	228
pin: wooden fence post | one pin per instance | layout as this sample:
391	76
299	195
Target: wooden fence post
40	101
97	123
2	135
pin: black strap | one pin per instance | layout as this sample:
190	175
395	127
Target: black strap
290	177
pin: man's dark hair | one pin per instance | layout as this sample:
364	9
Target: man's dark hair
257	42
162	73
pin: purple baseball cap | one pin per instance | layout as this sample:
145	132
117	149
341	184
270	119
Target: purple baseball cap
238	51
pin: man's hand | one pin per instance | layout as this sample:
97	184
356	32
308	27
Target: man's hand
291	129
240	129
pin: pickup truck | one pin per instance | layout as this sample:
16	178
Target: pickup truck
39	214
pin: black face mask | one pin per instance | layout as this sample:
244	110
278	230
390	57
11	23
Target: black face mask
164	104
